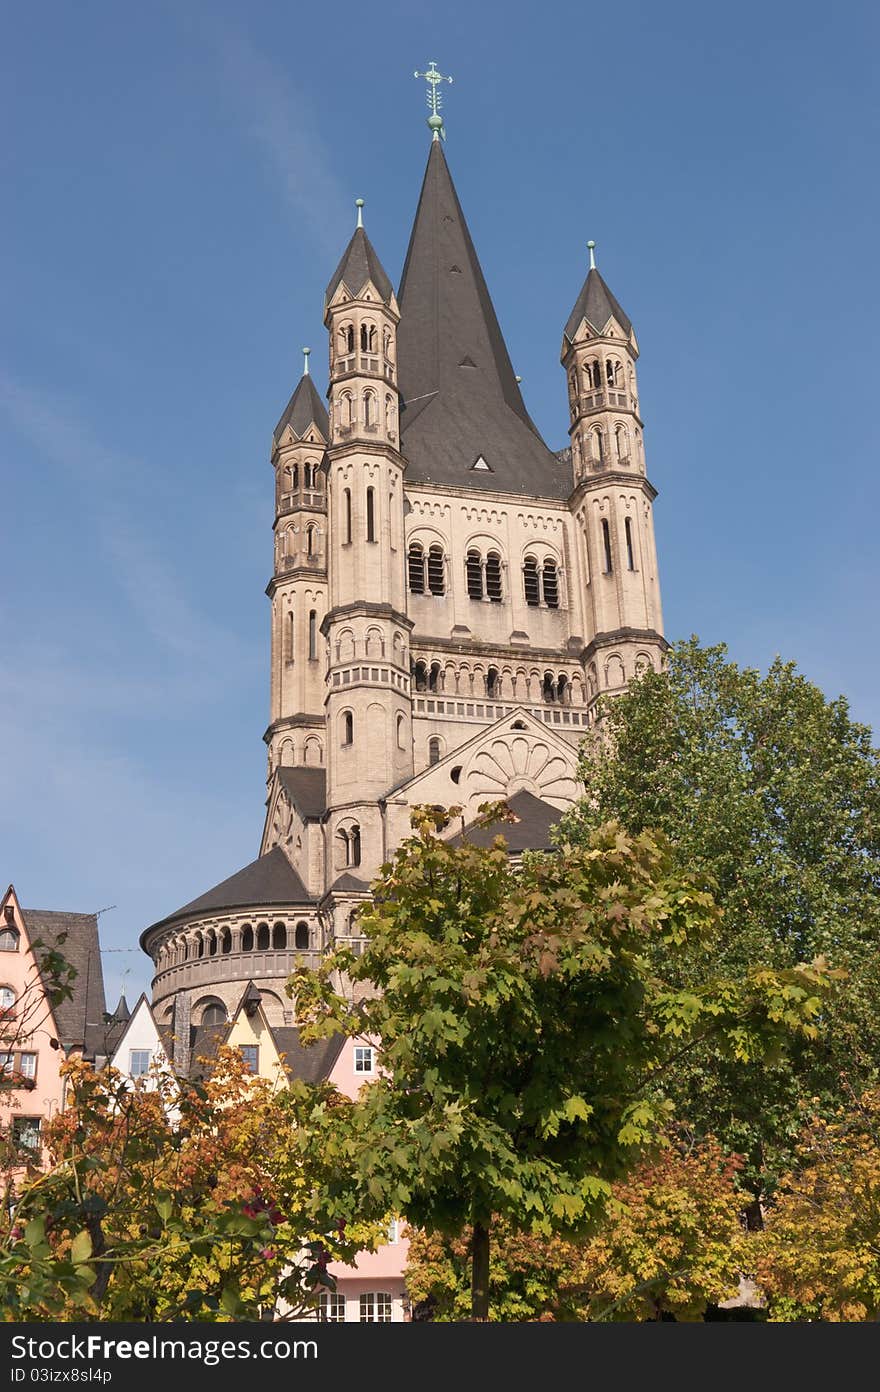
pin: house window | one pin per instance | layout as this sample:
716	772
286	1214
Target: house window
26	1132
364	1058
9	940
531	581
474	569
7	999
416	561
7	1063
606	546
331	1307
250	1053
436	571
493	576
375	1307
138	1062
27	1066
551	584
630	560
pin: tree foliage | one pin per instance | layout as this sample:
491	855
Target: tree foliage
219	1214
525	1031
669	1243
773	792
819	1256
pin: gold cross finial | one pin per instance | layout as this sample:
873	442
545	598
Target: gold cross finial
435	98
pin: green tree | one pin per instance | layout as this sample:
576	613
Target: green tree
774	792
524	1028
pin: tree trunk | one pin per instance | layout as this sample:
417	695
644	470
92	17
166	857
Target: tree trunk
479	1272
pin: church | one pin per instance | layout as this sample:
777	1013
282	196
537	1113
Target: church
450	597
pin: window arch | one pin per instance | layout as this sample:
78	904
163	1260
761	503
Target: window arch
368	338
263	938
347	723
401	731
279	936
247	938
354	842
346	410
371	514
550	583
313	635
434	677
213	1013
370	410
434	750
436	570
630	555
301	937
346	513
493	683
548	687
9	940
420	676
531	583
310	539
621	447
474	570
416	568
294	476
346	333
225	941
7	1000
597	444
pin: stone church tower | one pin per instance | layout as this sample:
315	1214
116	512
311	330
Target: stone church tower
450	597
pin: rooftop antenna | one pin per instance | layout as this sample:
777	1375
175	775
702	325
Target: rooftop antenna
435	99
591	248
107	909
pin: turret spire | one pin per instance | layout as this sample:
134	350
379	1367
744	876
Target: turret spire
435	98
591	248
306	352
359	204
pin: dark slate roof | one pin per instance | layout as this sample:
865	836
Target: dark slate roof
349	884
459	395
205	1040
80	1020
312	1063
269	880
597	305
304	408
122	1012
307	790
358	265
531	831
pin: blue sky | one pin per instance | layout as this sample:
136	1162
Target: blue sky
178	185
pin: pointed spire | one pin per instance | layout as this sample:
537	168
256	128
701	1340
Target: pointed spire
460	397
359	265
595	303
305	409
122	1013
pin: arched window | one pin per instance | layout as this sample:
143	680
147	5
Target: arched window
401	731
474	569
313	635
572	387
389	415
630	558
548	687
291	637
493	683
344	848
349	338
354	846
214	1014
294	476
416	565
344	331
620	442
420	676
609	373
493	576
9	940
346	410
597	441
7	1000
279	936
386	342
301	937
561	687
433	750
225	941
434	677
363	338
346	514
531	583
436	570
310	541
247	938
369	410
262	937
368	338
606	546
371	514
550	581
347	728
